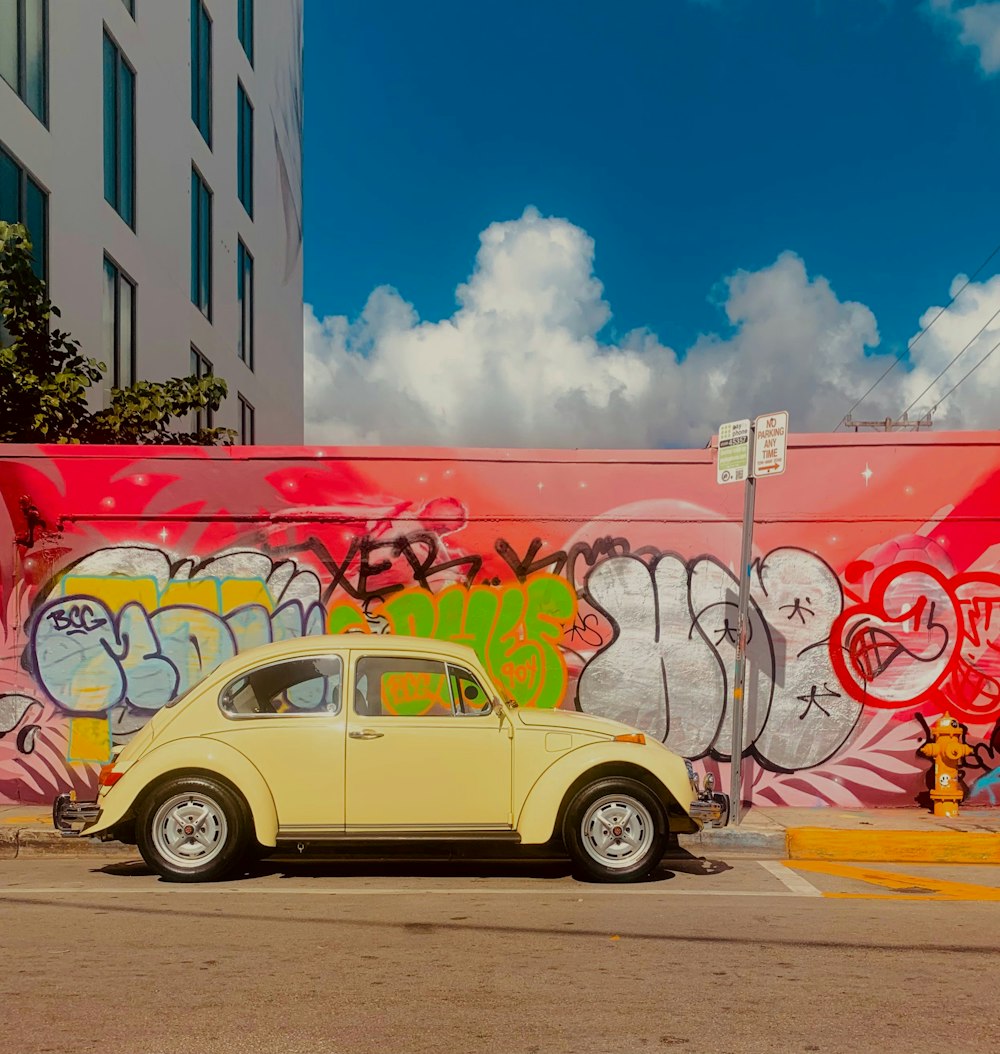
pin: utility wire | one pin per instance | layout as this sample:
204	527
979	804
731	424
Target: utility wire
953	361
965	377
896	361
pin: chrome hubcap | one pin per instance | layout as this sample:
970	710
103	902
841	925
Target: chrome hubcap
189	830
617	830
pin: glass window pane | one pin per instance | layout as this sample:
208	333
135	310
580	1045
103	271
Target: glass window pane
241	99
245	18
108	313
110	123
194	60
401	687
248	321
8	42
467	693
196	360
300	686
36	220
34	56
201	70
205	240
195	227
10	189
126	135
206	81
240	272
245	151
126	336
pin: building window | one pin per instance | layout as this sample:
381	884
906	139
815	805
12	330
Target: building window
244	149
22	200
201	69
201	244
119	132
245	19
119	324
24	51
244	294
201	367
130	5
246	422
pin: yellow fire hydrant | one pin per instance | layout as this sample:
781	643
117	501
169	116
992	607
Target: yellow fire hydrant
947	749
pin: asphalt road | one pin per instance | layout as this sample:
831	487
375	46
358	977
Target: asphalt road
302	958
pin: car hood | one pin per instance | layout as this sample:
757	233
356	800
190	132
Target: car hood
573	721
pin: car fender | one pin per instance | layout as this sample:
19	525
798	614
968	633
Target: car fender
200	754
540	810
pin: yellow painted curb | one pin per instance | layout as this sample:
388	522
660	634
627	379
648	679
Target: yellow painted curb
921	847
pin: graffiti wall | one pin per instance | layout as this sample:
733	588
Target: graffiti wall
600	581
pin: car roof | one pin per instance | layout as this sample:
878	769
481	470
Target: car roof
370	643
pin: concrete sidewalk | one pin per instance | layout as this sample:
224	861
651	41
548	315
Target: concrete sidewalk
885	835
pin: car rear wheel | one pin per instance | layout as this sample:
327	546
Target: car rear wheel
615	831
192	829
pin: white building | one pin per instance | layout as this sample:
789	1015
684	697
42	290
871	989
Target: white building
154	150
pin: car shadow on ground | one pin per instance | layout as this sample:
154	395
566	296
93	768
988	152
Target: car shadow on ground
327	864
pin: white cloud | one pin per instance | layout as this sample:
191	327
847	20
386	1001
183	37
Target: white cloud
519	363
974	402
977	25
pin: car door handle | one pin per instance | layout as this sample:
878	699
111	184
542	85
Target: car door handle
366	733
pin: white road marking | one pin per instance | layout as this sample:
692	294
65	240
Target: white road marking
403	891
790	879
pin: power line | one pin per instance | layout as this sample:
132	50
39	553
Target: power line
986	326
896	361
965	377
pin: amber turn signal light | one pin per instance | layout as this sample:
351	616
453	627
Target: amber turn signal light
632	737
107	777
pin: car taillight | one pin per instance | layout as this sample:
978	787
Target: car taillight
632	737
107	776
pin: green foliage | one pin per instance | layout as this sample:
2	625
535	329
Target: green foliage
45	379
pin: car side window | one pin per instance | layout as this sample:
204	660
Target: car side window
467	692
388	686
296	686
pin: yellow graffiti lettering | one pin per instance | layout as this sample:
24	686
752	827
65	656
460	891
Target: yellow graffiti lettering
89	739
114	591
219	596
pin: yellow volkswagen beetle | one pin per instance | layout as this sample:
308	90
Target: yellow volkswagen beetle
358	740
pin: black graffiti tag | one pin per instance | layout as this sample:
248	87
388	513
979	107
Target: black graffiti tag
77	618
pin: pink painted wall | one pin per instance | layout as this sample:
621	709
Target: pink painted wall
596	580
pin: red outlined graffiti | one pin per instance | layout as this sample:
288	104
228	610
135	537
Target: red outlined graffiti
923	637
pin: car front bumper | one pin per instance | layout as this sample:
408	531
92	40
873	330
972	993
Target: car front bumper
71	818
710	809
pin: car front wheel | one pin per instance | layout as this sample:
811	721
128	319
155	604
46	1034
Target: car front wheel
192	829
615	831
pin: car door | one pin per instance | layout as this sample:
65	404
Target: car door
288	718
426	751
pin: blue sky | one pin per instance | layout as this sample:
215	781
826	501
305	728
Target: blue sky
689	139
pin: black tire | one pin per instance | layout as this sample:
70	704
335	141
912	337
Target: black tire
604	850
193	829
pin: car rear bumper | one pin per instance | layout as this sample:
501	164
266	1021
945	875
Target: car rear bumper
71	818
712	809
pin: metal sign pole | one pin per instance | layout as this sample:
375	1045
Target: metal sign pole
739	677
